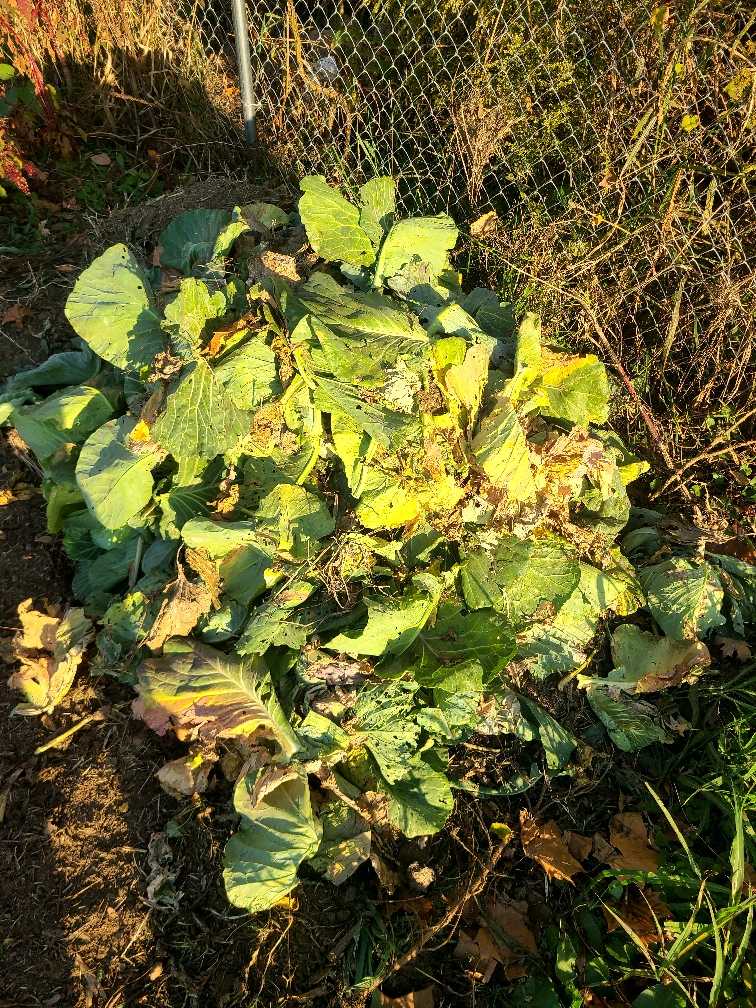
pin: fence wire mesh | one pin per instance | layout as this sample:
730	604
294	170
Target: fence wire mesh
614	140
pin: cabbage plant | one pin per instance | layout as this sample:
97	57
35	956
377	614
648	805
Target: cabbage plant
321	506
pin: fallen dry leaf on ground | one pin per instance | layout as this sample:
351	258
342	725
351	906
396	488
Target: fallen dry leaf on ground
579	846
17	314
185	777
100	159
49	650
628	833
421	906
640	910
481	954
545	845
417	999
732	648
92	989
512	923
602	850
484	225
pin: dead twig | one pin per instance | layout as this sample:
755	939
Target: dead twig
98	715
703	457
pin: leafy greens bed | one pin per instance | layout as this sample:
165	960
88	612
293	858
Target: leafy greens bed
317	521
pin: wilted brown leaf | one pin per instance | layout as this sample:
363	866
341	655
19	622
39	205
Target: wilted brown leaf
640	909
512	923
417	999
184	777
579	846
17	314
421	906
200	562
37	631
740	547
628	833
484	225
480	954
49	650
545	845
183	604
731	648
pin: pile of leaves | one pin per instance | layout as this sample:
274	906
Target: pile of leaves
331	515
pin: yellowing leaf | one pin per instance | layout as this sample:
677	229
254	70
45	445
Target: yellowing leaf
501	451
690	122
141	432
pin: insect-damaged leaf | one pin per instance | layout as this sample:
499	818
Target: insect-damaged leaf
111	307
116	482
193	684
278	832
684	596
426	239
632	724
345	842
378	199
64	417
501	451
199	418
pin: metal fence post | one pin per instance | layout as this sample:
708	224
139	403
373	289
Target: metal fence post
244	61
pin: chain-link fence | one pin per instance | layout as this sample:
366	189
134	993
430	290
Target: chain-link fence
614	141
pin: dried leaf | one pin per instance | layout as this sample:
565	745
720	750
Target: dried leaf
37	631
513	924
45	678
421	906
183	604
731	648
185	777
640	910
579	846
739	547
481	954
100	159
603	851
17	313
92	989
417	999
484	225
545	845
386	876
627	832
200	562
